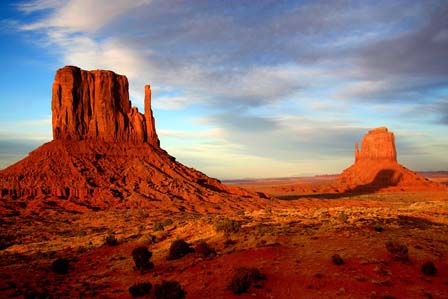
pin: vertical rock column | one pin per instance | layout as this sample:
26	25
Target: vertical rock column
151	133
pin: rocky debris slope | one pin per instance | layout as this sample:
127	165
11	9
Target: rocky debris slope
105	154
376	167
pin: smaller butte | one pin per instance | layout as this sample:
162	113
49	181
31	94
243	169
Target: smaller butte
376	167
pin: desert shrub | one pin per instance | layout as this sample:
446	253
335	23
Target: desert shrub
243	278
141	256
140	289
167	222
203	249
398	251
60	266
429	269
337	260
148	239
6	240
169	290
378	228
111	240
178	249
343	217
37	294
158	226
228	226
268	211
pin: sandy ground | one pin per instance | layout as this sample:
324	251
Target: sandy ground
291	241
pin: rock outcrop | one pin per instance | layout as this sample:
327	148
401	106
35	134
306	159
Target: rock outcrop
378	144
95	105
376	168
105	154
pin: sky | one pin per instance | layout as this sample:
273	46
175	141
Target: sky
241	89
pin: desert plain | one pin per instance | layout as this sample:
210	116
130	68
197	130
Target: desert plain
76	209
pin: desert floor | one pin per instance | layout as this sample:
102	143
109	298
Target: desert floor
291	241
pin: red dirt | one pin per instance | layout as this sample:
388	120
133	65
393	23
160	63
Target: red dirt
105	176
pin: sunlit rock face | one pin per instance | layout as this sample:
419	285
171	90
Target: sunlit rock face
376	167
378	144
95	105
106	154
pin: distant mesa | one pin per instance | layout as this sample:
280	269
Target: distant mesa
377	145
106	154
376	167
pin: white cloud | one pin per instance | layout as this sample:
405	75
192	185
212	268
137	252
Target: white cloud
171	103
35	129
79	15
38	5
211	133
360	89
191	53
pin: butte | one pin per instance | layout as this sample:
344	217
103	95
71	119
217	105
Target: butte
106	154
376	168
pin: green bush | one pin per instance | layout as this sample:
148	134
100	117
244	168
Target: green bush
203	249
429	269
228	226
60	266
167	222
111	240
140	289
158	226
243	278
178	249
141	256
398	251
337	260
169	290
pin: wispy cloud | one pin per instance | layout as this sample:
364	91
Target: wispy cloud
290	80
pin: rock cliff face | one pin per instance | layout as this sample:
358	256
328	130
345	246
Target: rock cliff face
105	154
378	144
95	105
376	167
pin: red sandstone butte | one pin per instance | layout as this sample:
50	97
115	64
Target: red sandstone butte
378	144
105	154
95	105
376	167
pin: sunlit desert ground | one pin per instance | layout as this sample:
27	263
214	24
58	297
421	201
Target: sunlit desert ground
291	241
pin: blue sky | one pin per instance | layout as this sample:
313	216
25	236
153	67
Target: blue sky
242	88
